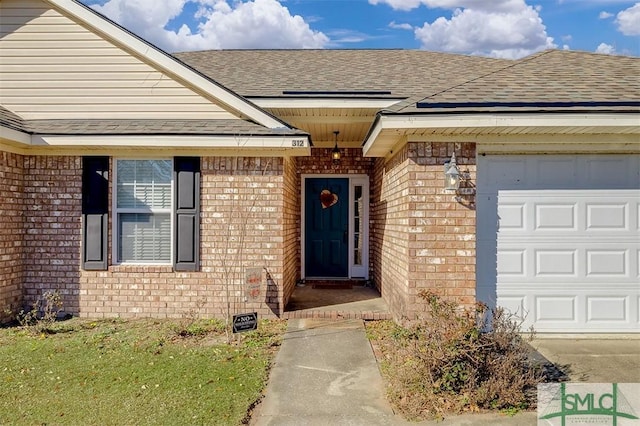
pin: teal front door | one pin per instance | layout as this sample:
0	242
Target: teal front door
326	227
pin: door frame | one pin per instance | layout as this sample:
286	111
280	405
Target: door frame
353	271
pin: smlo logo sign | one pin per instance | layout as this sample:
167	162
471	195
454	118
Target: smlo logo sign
584	403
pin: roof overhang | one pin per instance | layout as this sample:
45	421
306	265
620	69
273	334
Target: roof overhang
323	102
10	135
282	145
390	131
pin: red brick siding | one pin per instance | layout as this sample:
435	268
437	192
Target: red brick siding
291	228
416	220
53	208
389	231
11	232
242	206
351	162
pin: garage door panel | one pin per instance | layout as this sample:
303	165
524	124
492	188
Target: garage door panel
608	308
556	309
566	235
512	263
555	217
512	217
613	262
609	216
560	311
556	263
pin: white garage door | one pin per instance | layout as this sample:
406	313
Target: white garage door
559	240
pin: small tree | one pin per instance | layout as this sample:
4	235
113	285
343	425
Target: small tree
231	250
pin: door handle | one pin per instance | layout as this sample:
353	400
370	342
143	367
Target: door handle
344	237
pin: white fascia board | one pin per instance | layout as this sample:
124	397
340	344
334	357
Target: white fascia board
16	136
345	103
493	120
167	64
178	141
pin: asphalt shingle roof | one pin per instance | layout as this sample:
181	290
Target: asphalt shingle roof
141	127
554	79
432	79
373	73
10	119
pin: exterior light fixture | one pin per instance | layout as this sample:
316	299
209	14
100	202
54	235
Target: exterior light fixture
451	174
335	152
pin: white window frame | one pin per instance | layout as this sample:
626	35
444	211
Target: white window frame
116	212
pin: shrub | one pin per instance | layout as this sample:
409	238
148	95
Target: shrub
453	362
43	313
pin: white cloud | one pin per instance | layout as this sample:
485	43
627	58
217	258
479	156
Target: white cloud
223	24
605	15
395	25
606	49
510	30
629	20
486	5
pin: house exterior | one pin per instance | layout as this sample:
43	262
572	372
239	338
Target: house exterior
139	183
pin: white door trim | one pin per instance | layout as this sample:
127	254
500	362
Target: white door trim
354	271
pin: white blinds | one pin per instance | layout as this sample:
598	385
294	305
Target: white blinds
145	237
143	200
144	184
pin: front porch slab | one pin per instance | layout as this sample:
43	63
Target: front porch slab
358	302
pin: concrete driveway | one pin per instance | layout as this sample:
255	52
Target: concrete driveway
593	360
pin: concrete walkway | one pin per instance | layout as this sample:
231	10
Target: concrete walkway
326	374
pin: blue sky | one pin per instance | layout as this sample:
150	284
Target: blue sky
498	28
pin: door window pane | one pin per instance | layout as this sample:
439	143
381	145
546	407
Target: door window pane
358	212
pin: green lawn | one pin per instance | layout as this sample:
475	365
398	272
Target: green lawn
115	372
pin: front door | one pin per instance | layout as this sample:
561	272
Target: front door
327	227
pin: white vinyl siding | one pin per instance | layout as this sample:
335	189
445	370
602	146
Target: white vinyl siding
53	68
143	208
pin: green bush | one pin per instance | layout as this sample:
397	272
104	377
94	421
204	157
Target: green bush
452	362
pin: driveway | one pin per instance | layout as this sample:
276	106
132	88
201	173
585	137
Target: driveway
601	360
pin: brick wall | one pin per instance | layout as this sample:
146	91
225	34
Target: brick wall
11	232
53	207
389	236
291	228
351	162
424	237
242	206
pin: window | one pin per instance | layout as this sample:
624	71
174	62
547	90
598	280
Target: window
143	195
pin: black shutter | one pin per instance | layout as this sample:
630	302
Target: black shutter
95	212
187	213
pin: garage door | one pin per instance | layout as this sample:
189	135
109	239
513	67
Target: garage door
559	240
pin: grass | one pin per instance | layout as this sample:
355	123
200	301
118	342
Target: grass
115	372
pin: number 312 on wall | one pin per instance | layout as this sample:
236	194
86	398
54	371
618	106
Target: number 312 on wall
297	142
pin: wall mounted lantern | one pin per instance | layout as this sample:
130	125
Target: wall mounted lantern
335	152
451	174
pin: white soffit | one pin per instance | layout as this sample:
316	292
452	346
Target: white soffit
159	59
380	140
